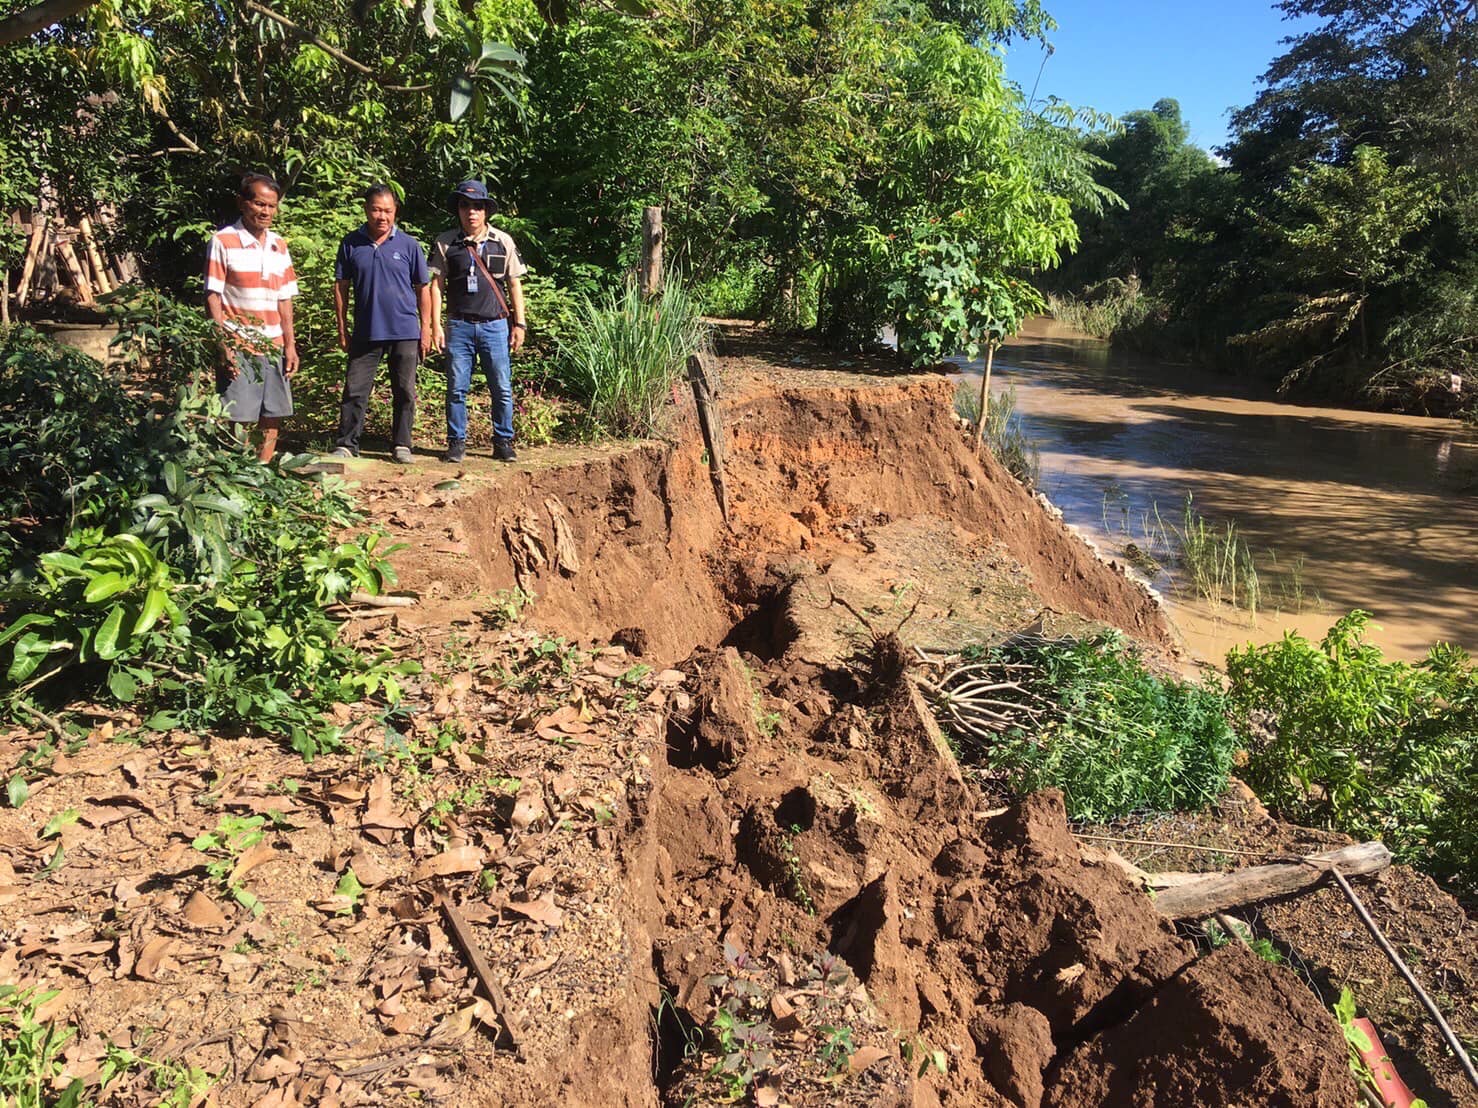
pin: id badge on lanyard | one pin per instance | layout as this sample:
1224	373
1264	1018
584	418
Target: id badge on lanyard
475	248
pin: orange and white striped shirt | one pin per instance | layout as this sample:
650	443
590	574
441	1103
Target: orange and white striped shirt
252	278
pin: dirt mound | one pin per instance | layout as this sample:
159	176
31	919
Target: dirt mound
1000	955
1229	1030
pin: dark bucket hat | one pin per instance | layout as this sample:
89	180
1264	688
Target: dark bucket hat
471	190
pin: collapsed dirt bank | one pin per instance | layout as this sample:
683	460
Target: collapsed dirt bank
774	829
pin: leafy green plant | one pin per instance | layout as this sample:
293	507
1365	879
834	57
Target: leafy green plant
795	876
1340	736
627	353
1096	723
178	574
1356	1041
836	1048
230	839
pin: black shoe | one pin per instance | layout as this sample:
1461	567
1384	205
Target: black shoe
503	450
456	450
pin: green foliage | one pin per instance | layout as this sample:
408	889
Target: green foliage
1005	433
32	1067
177	575
627	353
1119	739
1340	736
1356	1041
232	837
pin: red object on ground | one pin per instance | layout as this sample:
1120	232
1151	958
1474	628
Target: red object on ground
1393	1091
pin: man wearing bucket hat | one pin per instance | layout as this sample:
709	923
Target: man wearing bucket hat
475	268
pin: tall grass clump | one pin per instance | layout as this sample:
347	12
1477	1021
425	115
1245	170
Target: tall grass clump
625	353
1004	433
1217	560
1106	310
1116	738
1342	737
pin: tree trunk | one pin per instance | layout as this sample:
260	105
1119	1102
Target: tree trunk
990	354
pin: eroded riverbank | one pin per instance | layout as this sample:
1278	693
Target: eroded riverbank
1379	506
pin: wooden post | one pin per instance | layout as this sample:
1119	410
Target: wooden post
990	355
712	427
47	281
651	251
74	269
33	252
5	297
100	271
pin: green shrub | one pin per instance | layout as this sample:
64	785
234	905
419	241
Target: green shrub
627	352
159	564
1004	433
1342	737
1116	738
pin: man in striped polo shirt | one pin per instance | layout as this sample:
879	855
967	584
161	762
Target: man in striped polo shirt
249	286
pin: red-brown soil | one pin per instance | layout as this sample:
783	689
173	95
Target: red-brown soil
774	828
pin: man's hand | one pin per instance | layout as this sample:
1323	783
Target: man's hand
229	362
515	338
438	339
290	359
428	343
343	340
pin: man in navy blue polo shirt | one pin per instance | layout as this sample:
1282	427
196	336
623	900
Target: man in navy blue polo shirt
392	319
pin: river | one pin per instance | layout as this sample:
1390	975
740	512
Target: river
1382	509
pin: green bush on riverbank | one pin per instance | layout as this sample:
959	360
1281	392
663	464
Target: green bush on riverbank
1339	736
1114	737
150	560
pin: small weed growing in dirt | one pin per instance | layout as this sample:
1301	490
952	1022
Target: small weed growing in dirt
1356	1040
795	879
836	1048
233	836
917	1049
32	1068
506	607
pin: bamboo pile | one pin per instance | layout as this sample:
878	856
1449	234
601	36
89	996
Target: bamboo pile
68	261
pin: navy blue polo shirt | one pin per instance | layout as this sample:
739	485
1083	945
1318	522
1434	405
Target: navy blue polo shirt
385	279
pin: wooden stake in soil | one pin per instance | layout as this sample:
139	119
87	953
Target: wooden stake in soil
713	430
651	251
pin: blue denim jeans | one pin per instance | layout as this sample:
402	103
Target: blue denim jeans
466	343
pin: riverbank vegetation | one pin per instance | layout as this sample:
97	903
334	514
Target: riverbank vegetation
1340	736
1332	245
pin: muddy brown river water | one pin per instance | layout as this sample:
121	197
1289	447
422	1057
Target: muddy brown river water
1382	509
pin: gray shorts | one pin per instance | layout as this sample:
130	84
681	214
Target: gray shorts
258	391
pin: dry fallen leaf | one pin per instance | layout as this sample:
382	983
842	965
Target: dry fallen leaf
542	911
154	959
201	911
461	859
864	1057
250	860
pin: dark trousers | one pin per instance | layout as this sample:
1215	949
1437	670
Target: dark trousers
364	361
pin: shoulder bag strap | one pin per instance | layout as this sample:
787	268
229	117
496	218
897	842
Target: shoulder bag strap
476	252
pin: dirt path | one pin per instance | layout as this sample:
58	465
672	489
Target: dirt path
707	840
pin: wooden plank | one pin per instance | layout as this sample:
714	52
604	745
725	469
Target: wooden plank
94	256
493	993
33	252
1217	893
711	424
74	270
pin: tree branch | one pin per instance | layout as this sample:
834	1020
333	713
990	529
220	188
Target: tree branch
27	21
332	51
